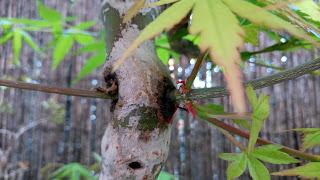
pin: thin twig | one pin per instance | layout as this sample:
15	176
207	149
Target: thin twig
195	70
293	152
232	139
54	89
259	83
215	92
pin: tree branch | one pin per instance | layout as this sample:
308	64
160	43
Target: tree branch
54	89
193	95
261	141
259	83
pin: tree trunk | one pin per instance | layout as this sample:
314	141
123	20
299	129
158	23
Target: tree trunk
136	143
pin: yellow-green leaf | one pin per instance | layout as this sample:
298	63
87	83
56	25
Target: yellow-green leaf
309	7
48	13
260	16
237	167
6	37
252	96
17	45
134	9
160	3
260	113
62	48
310	170
230	156
91	64
311	139
272	154
28	39
257	170
83	38
175	13
85	25
251	34
221	34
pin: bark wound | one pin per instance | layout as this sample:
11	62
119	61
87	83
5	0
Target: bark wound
136	143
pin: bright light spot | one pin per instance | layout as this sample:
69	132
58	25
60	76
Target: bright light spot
252	59
209	85
93	117
180	124
283	40
208	65
93	108
202	84
180	69
269	70
172	75
38	64
171	62
192	61
216	69
94	82
208	76
284	59
171	68
187	71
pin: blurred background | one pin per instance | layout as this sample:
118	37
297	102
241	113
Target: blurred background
52	129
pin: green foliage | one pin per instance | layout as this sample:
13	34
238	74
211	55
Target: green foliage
48	13
310	170
73	171
260	111
161	2
16	46
239	162
63	46
205	111
251	32
311	137
257	170
272	154
64	38
163	49
166	20
165	176
310	8
237	167
220	32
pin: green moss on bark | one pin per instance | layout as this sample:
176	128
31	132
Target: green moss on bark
147	119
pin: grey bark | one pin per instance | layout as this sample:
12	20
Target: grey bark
136	143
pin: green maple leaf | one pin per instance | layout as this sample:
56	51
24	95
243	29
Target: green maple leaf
311	137
309	7
221	34
310	170
260	16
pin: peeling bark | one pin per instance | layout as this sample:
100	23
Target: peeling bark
136	143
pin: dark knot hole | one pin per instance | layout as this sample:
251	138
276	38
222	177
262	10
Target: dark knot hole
135	165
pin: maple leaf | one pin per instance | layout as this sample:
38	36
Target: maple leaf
309	7
260	16
160	3
221	33
165	21
134	9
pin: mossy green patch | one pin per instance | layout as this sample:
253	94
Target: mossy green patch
147	119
